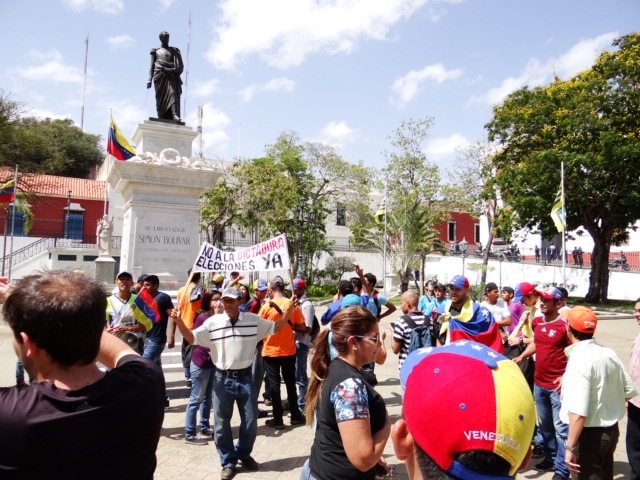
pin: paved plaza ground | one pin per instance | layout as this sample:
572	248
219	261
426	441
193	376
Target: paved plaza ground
281	453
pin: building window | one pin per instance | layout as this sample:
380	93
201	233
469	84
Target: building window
477	232
67	258
89	258
452	232
16	225
74	221
341	215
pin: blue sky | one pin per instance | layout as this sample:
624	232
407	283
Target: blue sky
343	72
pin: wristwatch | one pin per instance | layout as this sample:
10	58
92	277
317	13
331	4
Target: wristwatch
570	449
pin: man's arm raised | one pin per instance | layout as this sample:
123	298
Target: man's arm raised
112	349
184	330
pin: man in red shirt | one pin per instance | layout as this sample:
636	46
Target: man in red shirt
550	338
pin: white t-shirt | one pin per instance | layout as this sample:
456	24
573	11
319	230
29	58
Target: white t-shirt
499	310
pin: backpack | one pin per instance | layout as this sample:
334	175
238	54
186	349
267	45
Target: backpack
196	293
315	328
420	335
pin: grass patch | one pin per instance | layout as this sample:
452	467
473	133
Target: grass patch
320	298
614	304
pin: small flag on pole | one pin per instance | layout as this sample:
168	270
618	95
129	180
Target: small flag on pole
118	145
8	192
559	213
382	212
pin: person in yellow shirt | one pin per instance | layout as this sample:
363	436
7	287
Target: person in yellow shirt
279	354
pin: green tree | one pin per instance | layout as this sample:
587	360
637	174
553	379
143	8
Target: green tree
51	147
415	203
336	267
590	122
294	181
471	174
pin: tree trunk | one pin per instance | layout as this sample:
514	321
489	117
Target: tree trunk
599	275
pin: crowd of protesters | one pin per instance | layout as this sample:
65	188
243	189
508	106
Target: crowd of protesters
516	376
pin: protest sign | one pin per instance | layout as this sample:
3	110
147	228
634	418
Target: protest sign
272	254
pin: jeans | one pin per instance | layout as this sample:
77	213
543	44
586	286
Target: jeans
288	366
200	399
306	472
302	379
153	351
633	440
553	431
226	391
19	373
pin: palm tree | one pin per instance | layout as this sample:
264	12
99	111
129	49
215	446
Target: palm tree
411	236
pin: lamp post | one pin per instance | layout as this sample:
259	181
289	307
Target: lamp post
464	245
66	217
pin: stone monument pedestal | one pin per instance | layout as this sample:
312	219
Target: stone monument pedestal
161	188
105	270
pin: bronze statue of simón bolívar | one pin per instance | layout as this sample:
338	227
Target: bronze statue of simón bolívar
165	70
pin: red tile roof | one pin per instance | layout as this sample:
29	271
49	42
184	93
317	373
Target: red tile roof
55	186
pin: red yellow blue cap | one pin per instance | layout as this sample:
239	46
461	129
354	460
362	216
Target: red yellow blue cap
483	403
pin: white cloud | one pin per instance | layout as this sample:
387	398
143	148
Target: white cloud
204	89
284	32
405	88
42	114
165	4
112	7
280	83
214	122
440	148
579	57
48	66
338	134
121	41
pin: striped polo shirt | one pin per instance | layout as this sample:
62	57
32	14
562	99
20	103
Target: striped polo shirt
402	334
232	346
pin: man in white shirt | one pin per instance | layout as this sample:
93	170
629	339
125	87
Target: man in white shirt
497	306
595	387
232	337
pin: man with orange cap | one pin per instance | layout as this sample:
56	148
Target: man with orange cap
595	387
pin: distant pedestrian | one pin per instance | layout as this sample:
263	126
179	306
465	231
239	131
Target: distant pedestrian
537	253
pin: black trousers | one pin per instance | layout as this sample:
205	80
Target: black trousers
273	366
596	446
633	440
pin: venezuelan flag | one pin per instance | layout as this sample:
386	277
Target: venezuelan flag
477	325
145	309
8	192
118	145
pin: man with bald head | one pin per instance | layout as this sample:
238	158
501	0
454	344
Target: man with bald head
402	329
